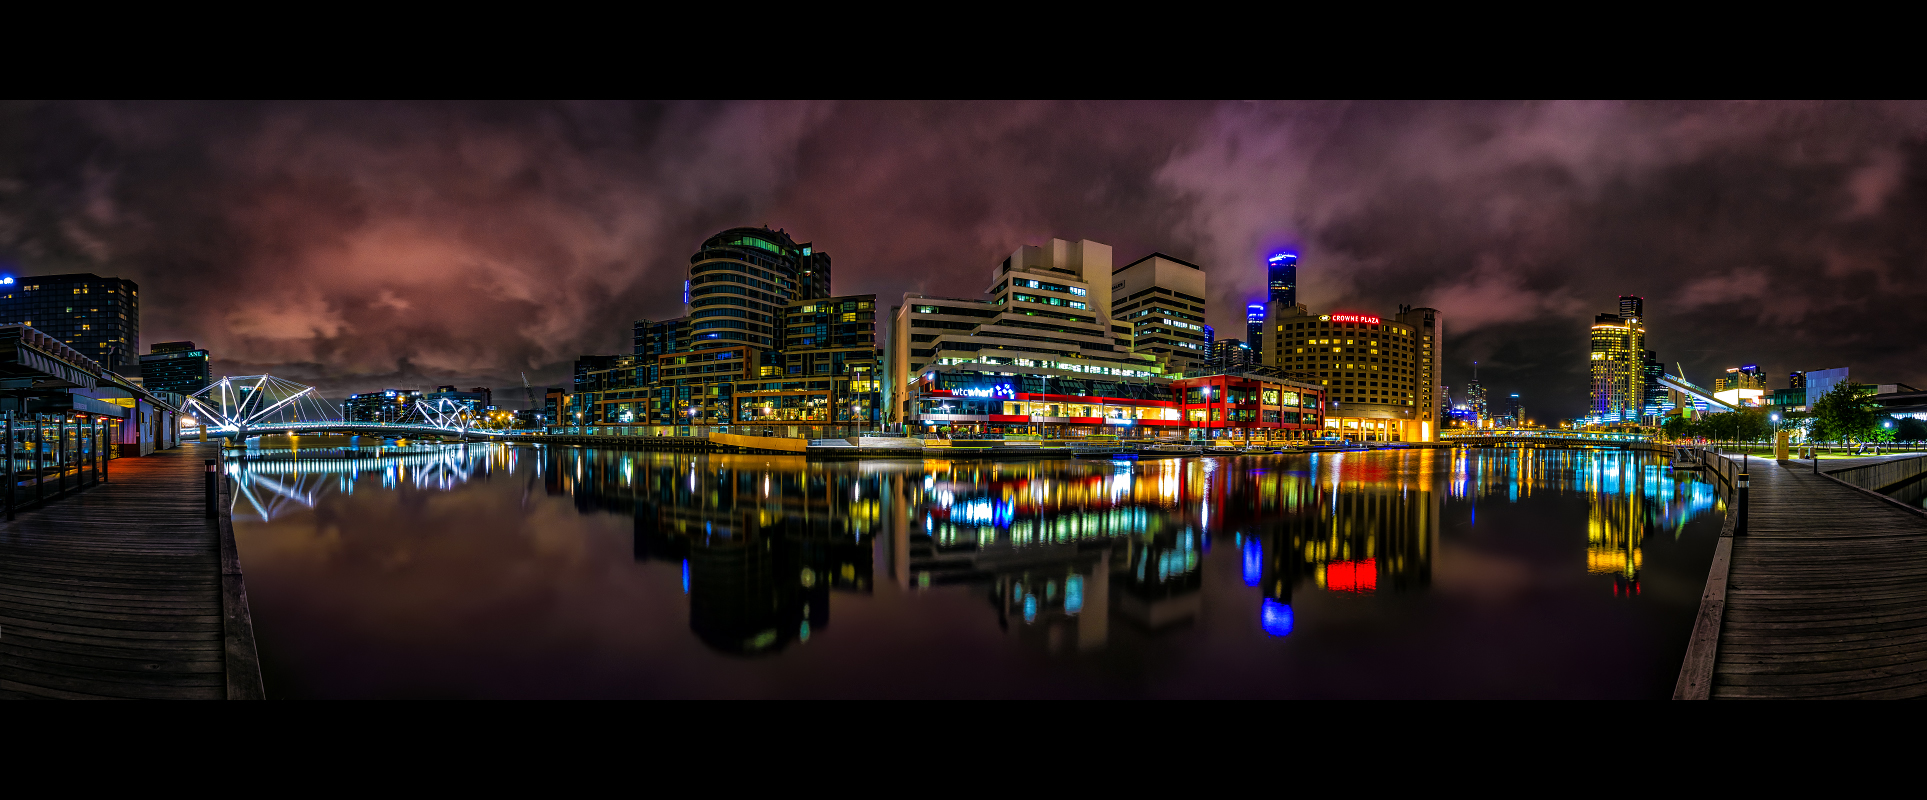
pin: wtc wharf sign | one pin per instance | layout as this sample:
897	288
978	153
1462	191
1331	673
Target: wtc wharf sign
1001	390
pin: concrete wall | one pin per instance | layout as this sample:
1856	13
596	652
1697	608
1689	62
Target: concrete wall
1884	475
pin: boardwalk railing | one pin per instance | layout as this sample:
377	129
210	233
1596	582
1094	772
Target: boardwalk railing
1702	648
1884	475
49	456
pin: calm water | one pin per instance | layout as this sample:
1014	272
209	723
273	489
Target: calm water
514	571
1913	493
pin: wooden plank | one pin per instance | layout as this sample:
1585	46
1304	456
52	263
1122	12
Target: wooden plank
115	590
1827	594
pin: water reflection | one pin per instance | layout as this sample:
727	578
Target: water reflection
1094	559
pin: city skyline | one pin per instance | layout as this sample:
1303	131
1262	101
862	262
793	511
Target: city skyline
363	247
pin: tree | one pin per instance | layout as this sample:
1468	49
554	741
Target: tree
1678	428
1910	429
1846	412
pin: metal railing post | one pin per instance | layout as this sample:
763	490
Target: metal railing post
212	472
1741	485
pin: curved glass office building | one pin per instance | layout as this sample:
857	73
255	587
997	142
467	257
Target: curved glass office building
741	279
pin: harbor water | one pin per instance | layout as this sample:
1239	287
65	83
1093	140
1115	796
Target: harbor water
519	571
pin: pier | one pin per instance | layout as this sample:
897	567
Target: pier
127	590
1824	592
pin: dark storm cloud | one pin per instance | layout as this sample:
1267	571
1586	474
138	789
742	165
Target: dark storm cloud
358	245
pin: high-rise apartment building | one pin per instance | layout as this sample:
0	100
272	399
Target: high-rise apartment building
478	399
1232	355
390	405
1658	399
829	372
740	281
1281	279
1617	367
741	284
1428	363
176	367
608	389
1254	325
764	342
1797	380
652	339
1161	298
1746	377
99	317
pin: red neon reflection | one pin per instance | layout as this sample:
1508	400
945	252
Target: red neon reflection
1352	576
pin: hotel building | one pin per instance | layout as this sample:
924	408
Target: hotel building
1381	376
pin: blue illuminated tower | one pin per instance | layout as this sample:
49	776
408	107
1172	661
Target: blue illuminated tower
1282	278
1254	324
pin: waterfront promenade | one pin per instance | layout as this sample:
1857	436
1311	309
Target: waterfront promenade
1824	596
125	590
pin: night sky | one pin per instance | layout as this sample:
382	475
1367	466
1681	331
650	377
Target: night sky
362	246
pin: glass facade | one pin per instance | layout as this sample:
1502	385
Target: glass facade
1281	272
176	367
390	405
100	317
1617	363
763	342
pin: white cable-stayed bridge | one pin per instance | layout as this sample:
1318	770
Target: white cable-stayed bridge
254	405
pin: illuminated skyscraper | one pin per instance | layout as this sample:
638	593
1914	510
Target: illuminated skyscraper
1475	394
1282	278
1618	360
1254	324
1632	307
1656	399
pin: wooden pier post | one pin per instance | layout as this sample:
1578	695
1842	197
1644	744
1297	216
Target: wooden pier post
13	475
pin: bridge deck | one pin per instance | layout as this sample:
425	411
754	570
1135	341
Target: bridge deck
1826	595
116	592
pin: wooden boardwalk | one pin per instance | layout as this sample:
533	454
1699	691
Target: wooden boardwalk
1826	594
118	591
